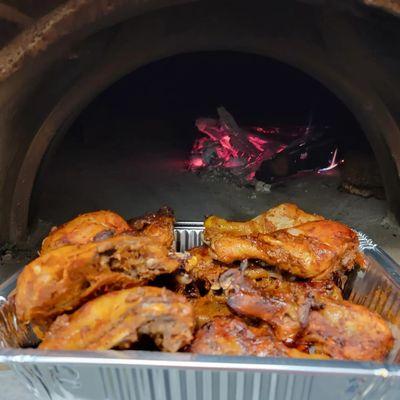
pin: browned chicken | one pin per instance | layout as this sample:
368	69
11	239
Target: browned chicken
262	279
347	331
85	290
258	275
232	336
311	315
312	250
118	319
284	305
206	271
208	307
284	216
65	278
159	225
202	267
85	228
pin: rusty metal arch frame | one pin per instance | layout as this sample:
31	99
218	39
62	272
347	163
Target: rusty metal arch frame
366	105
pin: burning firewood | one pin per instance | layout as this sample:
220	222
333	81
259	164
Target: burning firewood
247	153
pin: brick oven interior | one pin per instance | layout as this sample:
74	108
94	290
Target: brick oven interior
128	150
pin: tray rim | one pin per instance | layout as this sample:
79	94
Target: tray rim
154	359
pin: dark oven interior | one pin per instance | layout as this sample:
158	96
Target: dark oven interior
131	150
118	113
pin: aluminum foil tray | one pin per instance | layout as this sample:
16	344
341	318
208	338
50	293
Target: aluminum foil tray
143	375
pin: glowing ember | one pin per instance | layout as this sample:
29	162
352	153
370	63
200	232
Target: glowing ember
197	162
333	163
241	151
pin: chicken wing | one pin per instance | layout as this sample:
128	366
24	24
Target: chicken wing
159	225
284	216
63	279
313	250
311	315
85	228
119	318
232	336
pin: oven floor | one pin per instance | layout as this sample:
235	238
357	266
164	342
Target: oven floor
192	198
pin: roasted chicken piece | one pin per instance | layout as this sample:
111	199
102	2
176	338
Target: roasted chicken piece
284	216
313	250
85	228
118	319
208	307
311	315
65	278
159	225
257	274
269	281
205	271
347	331
202	267
232	336
284	305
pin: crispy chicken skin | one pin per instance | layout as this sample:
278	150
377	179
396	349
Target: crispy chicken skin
203	269
232	336
313	250
159	225
284	216
311	315
263	280
208	307
347	331
284	305
65	278
85	228
201	266
118	318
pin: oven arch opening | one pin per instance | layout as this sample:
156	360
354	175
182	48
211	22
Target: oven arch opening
365	103
138	133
